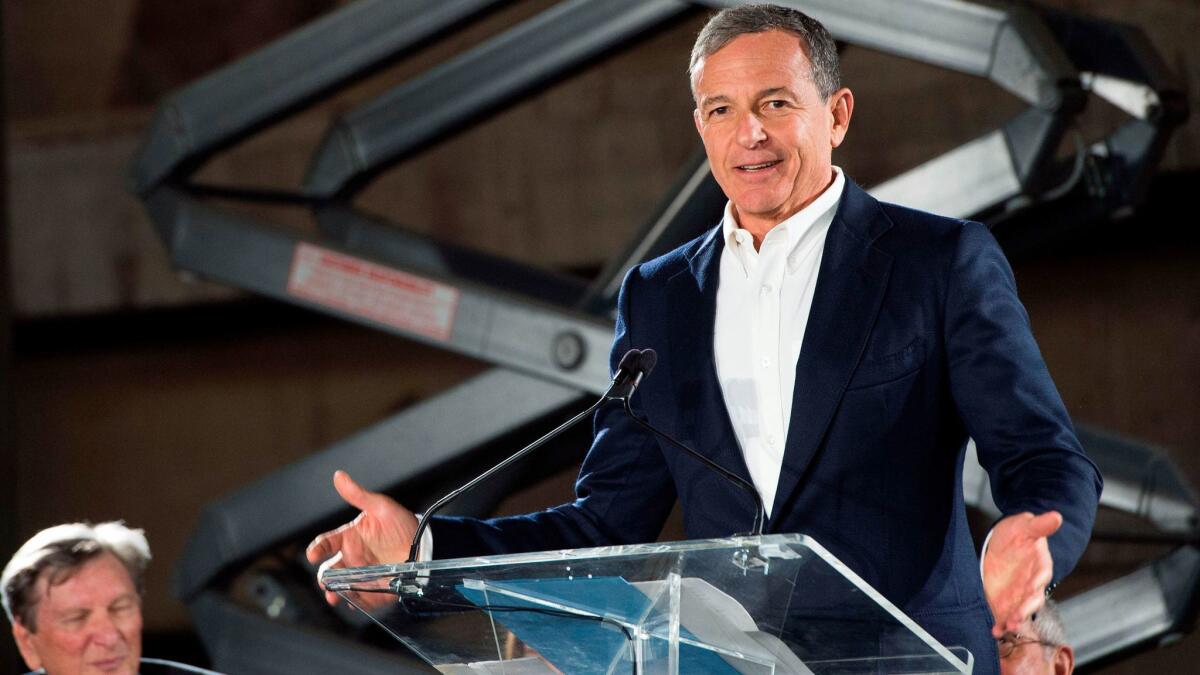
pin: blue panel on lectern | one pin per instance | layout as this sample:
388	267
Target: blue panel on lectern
584	644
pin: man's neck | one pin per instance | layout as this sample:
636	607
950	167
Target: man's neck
759	226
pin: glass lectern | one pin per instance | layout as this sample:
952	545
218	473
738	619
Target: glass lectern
756	605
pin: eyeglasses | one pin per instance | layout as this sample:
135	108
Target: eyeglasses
1009	642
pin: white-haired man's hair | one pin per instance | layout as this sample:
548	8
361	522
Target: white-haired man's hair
59	552
1049	626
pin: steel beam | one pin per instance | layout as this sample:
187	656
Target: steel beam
694	204
359	233
1154	605
294	500
449	96
559	345
1139	479
222	107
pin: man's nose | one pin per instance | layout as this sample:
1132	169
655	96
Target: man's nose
751	131
105	633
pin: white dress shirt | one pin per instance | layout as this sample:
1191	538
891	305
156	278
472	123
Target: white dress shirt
763	301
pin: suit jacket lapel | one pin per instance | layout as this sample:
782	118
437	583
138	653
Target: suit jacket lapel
849	292
692	302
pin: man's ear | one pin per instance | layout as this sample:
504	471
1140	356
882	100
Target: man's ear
24	639
696	119
1064	660
841	108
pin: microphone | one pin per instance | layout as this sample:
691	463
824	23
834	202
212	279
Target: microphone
630	371
638	369
628	376
646	362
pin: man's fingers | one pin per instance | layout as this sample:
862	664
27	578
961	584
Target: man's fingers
1014	612
328	543
323	546
333	561
1032	604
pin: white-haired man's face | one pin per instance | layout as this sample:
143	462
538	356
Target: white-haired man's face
1025	654
90	623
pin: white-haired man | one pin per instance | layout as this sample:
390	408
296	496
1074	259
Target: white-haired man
73	594
1040	649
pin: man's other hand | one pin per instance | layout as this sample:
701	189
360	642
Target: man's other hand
1017	568
382	532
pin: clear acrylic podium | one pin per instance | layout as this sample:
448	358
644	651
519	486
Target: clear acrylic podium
754	605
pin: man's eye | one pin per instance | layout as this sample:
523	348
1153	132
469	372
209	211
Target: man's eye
719	110
776	104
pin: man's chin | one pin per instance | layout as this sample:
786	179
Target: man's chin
759	209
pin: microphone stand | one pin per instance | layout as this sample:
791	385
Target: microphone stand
627	372
760	514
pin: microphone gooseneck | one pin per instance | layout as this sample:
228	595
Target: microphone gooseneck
625	381
760	514
634	366
648	359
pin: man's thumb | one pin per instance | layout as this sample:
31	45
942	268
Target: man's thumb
354	494
1045	524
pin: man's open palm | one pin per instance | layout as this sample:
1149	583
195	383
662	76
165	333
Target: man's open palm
382	532
1017	568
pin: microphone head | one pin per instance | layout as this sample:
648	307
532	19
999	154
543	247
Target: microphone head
630	361
649	359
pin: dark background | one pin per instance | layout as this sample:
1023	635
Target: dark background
129	392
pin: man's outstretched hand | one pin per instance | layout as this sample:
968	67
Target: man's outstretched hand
1017	567
382	533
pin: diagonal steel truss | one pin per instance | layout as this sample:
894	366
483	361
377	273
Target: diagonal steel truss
547	334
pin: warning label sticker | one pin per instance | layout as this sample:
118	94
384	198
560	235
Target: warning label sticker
374	292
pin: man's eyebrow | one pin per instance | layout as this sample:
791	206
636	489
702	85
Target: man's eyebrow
774	91
709	100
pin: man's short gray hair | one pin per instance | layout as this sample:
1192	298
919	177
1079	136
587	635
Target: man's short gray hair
728	24
59	552
1049	626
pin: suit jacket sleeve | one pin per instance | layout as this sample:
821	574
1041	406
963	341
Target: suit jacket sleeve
1009	403
623	495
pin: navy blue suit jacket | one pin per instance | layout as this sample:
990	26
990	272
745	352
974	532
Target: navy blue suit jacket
915	341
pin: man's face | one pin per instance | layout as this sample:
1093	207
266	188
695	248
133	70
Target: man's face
1027	659
90	623
768	133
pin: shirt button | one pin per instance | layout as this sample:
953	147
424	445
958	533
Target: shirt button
766	363
766	288
771	440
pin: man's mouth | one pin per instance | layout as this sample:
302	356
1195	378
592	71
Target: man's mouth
108	665
762	166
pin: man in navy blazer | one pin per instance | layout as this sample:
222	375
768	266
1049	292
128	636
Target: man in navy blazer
915	341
